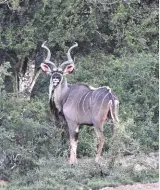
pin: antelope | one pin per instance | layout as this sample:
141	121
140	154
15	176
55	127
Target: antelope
79	104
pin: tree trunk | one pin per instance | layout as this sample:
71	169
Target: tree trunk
26	79
25	74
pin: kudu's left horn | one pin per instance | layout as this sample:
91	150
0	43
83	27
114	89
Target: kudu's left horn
47	60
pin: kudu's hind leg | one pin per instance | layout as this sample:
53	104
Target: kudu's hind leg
73	136
101	139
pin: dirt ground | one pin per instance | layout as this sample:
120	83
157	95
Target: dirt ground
151	186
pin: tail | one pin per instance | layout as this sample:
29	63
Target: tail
114	108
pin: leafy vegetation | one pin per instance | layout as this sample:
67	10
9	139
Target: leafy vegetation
117	48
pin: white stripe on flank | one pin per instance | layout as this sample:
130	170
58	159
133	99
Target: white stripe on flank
90	101
107	87
102	102
84	101
99	92
96	95
78	103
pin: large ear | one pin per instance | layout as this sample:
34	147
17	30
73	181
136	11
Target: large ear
45	68
68	69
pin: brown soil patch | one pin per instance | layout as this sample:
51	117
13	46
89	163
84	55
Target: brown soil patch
151	186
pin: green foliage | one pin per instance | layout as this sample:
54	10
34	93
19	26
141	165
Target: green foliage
26	134
3	73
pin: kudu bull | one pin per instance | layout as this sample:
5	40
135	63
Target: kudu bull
79	103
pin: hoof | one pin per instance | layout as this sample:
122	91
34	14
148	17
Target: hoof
98	159
73	162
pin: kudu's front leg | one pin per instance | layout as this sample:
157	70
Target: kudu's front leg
73	136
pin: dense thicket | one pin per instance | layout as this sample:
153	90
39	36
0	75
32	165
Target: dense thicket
118	47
